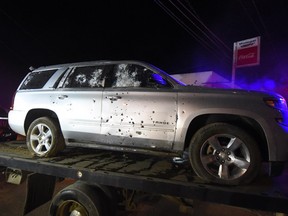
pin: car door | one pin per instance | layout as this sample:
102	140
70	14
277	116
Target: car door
137	109
79	103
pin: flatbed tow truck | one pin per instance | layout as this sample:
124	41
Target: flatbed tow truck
103	171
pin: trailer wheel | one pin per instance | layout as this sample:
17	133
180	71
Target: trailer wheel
44	137
224	154
77	199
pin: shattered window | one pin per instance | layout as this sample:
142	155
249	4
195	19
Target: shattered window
129	75
86	77
36	80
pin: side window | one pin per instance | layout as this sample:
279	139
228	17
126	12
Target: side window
86	77
36	80
154	80
130	75
127	75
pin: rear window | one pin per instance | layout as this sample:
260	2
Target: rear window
37	80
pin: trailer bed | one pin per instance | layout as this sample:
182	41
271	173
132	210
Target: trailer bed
147	173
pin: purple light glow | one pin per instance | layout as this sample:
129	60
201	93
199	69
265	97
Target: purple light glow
273	80
266	84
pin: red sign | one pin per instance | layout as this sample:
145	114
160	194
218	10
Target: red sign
247	52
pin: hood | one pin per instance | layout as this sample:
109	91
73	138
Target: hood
201	89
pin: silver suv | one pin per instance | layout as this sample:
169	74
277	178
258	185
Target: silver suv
134	106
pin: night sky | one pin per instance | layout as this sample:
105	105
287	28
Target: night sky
200	37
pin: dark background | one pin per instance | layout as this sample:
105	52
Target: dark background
179	36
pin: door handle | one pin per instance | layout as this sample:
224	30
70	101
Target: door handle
62	97
113	98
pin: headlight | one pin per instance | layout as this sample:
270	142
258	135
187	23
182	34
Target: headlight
276	102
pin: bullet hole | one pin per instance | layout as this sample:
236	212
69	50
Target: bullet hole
110	116
138	132
122	114
142	126
130	136
119	130
142	122
153	111
107	120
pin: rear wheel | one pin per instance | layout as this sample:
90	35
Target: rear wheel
224	154
79	199
44	137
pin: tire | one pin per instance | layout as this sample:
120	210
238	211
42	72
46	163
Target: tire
224	154
44	137
77	199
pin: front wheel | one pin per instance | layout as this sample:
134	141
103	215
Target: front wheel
224	154
44	137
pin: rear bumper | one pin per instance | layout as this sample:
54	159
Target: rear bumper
16	121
